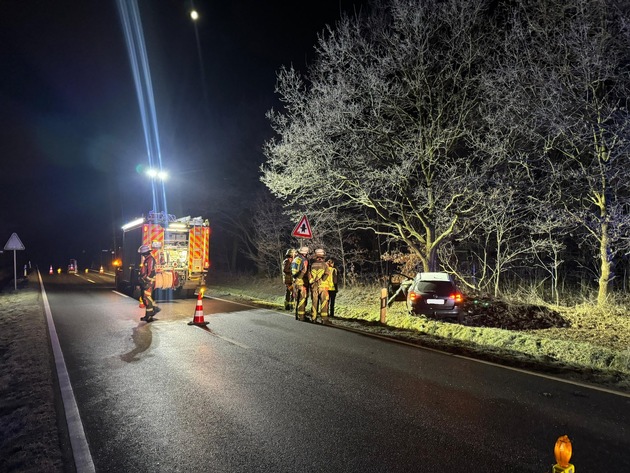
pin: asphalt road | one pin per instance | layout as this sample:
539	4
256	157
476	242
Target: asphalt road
258	391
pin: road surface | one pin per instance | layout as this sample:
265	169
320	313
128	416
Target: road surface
257	390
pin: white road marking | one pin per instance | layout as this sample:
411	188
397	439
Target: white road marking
506	367
80	449
403	342
88	279
233	302
520	370
229	340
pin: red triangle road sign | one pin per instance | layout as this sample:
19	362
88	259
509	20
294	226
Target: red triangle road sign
302	229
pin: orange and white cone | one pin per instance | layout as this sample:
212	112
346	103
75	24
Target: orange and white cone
141	305
101	271
198	318
50	271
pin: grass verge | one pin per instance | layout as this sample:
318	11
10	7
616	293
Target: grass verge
589	345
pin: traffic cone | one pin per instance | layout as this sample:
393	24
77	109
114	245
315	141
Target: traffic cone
142	306
101	271
50	271
198	318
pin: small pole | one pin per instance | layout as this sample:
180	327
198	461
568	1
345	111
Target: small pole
384	305
14	272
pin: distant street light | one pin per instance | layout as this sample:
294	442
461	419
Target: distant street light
194	15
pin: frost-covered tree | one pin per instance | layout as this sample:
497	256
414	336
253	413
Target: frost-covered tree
380	126
267	234
564	77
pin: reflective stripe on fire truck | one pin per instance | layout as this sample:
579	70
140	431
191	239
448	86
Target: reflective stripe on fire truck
206	247
153	233
195	249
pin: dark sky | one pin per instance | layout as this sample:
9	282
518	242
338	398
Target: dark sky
71	134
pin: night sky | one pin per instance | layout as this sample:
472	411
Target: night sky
71	134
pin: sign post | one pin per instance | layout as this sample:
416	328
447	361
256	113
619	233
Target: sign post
14	244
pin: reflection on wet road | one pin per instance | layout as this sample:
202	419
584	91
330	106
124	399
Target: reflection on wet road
141	338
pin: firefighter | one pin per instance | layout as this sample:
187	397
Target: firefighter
288	279
318	276
332	287
299	269
147	282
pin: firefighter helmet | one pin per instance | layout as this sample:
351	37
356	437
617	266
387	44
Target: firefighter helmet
303	250
320	253
290	252
144	249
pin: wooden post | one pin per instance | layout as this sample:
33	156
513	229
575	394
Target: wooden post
384	305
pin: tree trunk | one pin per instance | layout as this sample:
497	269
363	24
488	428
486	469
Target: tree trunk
604	274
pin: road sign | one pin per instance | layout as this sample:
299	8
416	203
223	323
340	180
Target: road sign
302	229
14	243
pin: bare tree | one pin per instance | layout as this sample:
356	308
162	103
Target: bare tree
333	230
570	61
380	125
268	235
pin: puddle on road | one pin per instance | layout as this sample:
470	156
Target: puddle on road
142	337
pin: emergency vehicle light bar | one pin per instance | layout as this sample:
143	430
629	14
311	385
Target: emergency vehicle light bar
177	226
133	223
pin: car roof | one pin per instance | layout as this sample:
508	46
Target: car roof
433	276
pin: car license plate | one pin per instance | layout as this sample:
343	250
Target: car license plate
435	301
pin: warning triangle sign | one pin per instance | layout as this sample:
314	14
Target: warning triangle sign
15	243
302	229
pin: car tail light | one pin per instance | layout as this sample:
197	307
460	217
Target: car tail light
457	297
414	296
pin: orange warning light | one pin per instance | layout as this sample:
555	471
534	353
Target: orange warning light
562	451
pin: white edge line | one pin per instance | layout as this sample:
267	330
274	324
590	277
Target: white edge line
234	302
80	449
477	360
229	340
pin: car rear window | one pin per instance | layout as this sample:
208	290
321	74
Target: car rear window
442	288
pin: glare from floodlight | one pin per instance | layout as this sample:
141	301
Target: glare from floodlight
157	174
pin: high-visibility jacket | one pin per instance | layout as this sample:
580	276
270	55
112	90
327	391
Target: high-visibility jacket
299	268
332	279
318	274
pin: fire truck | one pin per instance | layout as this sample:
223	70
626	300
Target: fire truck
181	247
